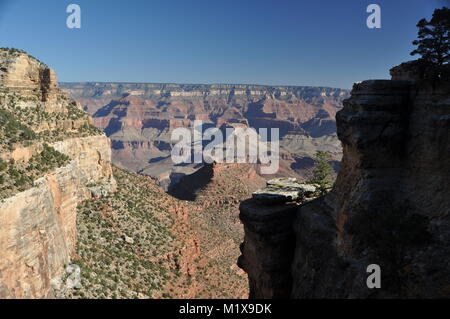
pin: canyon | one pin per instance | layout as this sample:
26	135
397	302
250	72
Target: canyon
139	119
176	231
62	202
389	205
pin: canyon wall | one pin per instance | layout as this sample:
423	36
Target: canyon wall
389	206
38	224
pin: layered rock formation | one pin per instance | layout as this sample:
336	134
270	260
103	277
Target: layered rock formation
38	215
389	206
139	118
136	243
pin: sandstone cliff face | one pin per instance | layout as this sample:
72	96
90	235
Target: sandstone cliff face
389	205
22	73
38	225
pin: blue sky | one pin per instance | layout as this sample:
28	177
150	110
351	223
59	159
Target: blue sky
318	43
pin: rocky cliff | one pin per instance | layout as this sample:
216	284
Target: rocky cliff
139	119
389	206
51	159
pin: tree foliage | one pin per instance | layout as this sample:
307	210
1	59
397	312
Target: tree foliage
323	172
433	42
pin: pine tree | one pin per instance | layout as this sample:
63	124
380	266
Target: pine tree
323	172
434	38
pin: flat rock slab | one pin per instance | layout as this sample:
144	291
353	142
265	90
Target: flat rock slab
275	196
283	190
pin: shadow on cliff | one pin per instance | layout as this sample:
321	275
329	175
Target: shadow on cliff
189	185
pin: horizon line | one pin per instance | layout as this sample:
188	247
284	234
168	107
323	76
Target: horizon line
207	84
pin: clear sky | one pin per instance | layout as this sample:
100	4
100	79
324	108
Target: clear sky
296	42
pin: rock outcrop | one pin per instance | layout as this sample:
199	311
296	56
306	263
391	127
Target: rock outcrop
282	190
268	248
389	206
38	221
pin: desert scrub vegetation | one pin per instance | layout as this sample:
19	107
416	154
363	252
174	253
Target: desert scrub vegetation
123	242
74	112
13	131
16	52
89	129
31	111
141	243
17	177
25	119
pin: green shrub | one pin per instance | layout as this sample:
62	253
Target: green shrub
3	165
13	130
